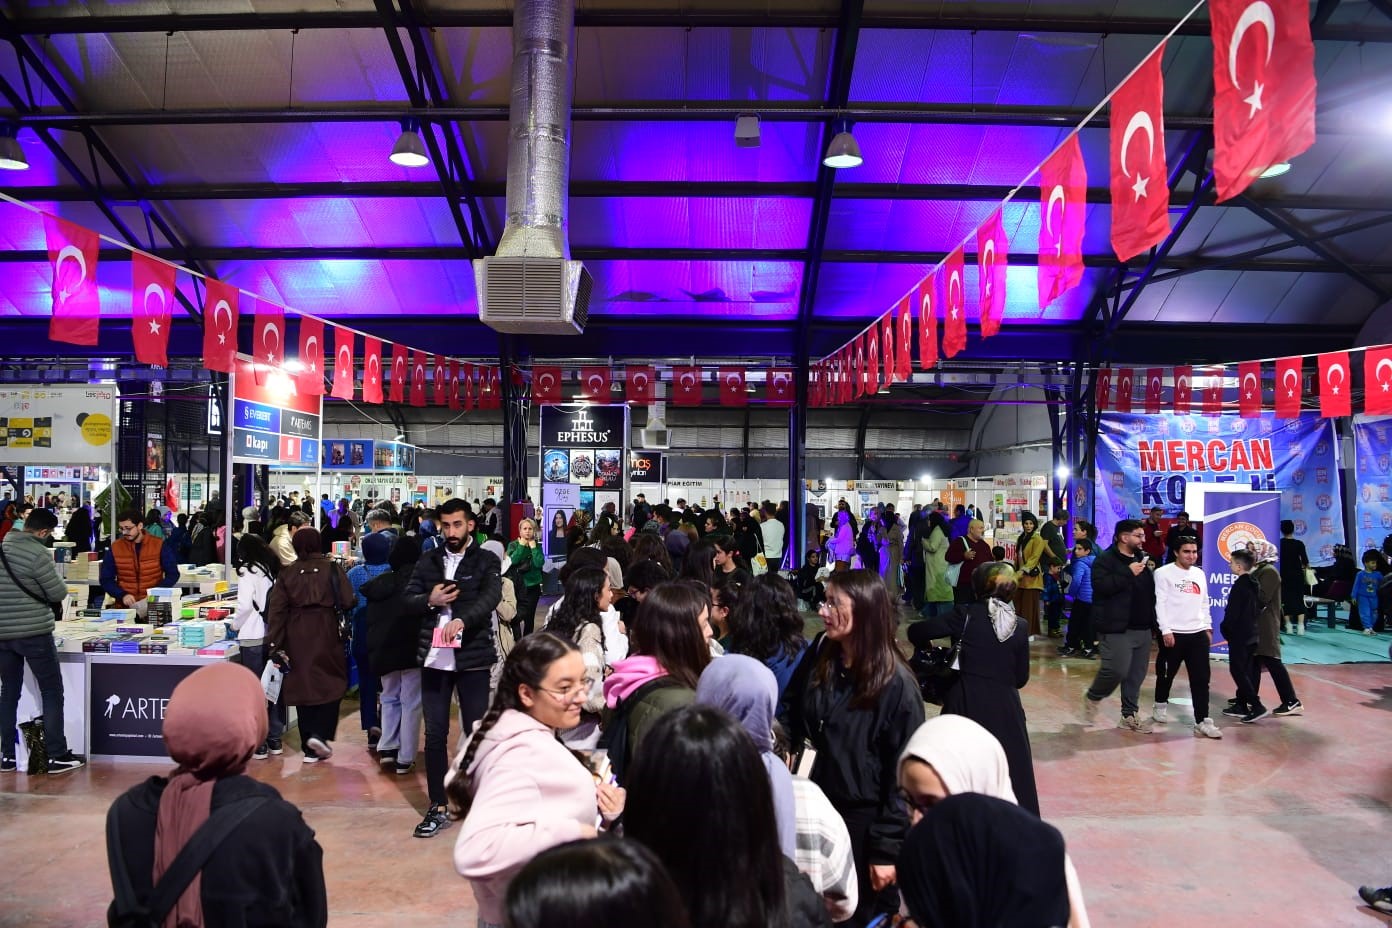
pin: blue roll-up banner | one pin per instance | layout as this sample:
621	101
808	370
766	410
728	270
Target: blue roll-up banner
1372	468
1231	519
1150	460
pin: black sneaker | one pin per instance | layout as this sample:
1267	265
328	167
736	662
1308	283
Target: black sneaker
1380	899
1090	654
273	745
1067	651
435	821
1236	711
66	763
1235	702
8	765
1256	715
261	752
403	769
374	735
386	760
1290	708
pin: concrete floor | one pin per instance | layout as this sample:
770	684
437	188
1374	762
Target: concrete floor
1277	824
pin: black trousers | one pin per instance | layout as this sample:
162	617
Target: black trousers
319	721
858	823
527	599
1279	675
1080	627
437	687
1191	650
1240	668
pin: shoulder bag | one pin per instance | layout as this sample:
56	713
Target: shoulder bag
56	607
938	669
342	613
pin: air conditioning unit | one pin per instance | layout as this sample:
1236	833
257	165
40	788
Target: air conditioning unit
655	436
528	295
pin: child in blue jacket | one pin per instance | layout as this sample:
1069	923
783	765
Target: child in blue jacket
1080	641
1365	591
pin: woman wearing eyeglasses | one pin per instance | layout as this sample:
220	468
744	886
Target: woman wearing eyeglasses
519	789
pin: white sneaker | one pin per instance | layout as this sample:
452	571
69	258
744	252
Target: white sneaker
1207	729
1090	709
1160	712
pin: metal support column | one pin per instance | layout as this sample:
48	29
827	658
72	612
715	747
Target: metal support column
799	525
516	408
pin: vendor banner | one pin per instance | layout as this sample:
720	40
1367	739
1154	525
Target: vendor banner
56	425
1372	468
1232	520
1150	460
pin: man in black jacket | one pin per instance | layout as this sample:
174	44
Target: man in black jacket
456	587
1123	615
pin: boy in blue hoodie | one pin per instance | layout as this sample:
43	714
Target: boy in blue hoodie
1080	641
1365	591
1052	599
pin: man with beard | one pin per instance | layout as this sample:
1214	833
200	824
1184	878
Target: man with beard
456	587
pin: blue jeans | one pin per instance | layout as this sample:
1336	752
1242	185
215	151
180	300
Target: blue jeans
931	610
254	659
368	684
41	654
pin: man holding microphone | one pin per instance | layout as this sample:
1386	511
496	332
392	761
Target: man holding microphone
1123	615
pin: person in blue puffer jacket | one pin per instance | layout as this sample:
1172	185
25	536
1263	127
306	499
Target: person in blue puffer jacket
1080	641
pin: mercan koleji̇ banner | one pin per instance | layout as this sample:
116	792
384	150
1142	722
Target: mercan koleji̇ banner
1372	467
1149	460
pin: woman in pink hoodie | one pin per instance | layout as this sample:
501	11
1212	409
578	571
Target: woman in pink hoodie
518	789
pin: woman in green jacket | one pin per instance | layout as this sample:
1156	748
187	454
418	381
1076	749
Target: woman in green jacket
937	589
526	549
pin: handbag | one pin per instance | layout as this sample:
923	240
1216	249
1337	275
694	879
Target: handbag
759	566
938	669
344	616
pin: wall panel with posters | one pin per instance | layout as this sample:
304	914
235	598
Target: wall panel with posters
585	447
1372	464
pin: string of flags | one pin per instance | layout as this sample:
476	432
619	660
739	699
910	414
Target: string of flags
1263	114
640	385
1253	395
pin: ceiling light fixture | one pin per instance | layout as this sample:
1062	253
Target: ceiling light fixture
843	152
409	150
1276	170
11	155
747	130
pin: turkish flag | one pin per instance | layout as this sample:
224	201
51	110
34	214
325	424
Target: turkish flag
400	371
546	385
1125	383
890	372
152	305
732	393
927	301
1290	384
309	380
1063	196
1155	385
268	344
872	358
1336	399
468	376
862	384
1377	386
1104	389
491	395
418	367
954	302
778	387
220	327
992	259
639	383
372	370
1140	178
454	400
686	386
1183	390
594	384
1249	390
816	392
904	342
76	302
1213	396
439	379
343	364
1263	88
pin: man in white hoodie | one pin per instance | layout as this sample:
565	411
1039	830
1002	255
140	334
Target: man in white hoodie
1186	633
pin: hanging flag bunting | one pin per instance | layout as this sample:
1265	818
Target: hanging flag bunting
850	376
861	368
1336	399
1213	395
816	387
1104	389
546	384
686	386
417	377
1290	384
732	392
778	387
594	384
904	342
890	372
1377	381
954	302
220	327
927	301
309	379
639	385
1249	390
453	395
1183	390
343	364
73	252
1063	196
1140	177
1263	89
1154	390
468	376
152	305
490	387
372	370
268	344
992	259
872	359
439	380
1125	383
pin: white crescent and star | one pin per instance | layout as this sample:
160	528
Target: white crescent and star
546	382
222	332
688	381
1055	195
1140	122
155	317
73	253
925	310
734	382
954	293
1255	385
311	352
1377	374
1329	377
780	383
267	331
594	384
1256	12
1181	383
640	381
345	360
374	366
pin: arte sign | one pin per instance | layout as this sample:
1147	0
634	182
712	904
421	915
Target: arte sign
56	425
645	467
127	699
272	422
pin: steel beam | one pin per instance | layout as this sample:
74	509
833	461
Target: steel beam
1336	261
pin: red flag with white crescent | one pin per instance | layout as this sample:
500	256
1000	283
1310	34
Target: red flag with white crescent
639	384
1183	390
73	252
1249	390
871	368
926	301
1154	389
954	300
418	369
1140	178
890	372
453	396
546	385
864	385
1125	383
372	370
595	384
778	389
1104	389
686	386
439	379
491	389
732	387
1377	381
468	376
814	386
400	374
1336	399
992	258
343	364
904	341
268	344
309	380
220	326
1213	394
1063	203
1290	386
152	308
1263	88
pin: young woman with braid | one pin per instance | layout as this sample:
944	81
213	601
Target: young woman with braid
517	788
578	620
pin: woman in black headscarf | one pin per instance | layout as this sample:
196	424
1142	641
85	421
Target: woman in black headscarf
980	862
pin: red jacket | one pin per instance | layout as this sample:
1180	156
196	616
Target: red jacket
956	554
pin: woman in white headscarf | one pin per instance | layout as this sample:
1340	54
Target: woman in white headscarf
994	662
950	755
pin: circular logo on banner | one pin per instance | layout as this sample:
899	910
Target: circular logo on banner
96	428
1238	536
1298	476
1186	425
1300	526
1324	501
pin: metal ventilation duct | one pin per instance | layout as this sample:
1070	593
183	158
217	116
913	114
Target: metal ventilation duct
531	286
